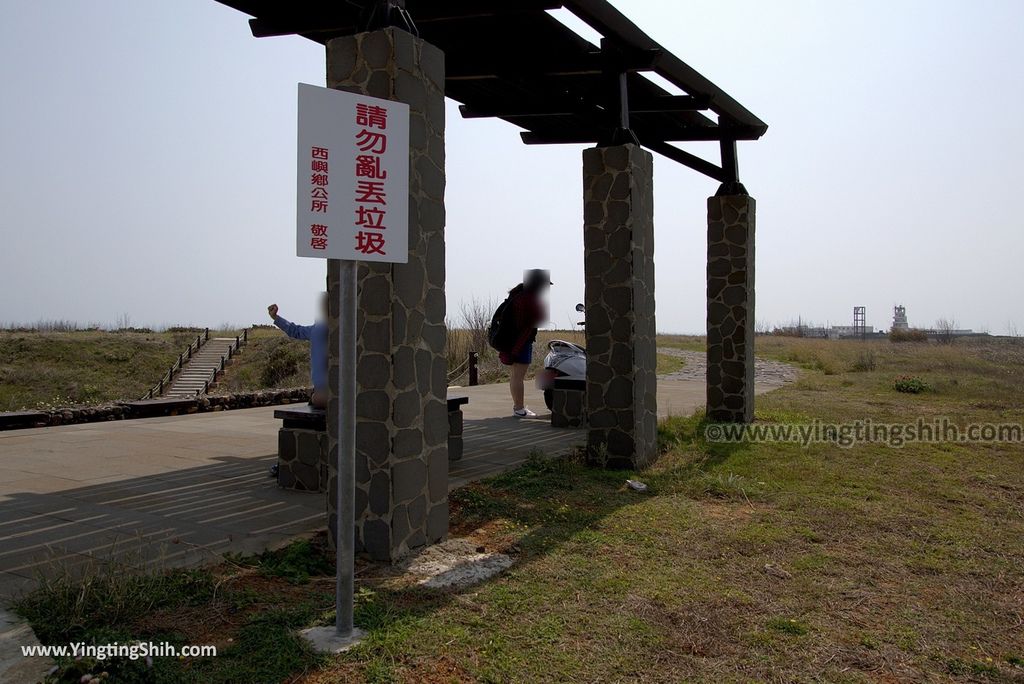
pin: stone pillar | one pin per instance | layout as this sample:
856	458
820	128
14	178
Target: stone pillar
730	380
402	430
618	241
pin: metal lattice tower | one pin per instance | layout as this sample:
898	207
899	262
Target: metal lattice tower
860	320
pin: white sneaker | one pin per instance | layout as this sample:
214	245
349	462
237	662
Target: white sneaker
523	413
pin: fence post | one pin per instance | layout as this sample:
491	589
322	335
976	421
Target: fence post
206	335
221	365
238	342
245	335
473	377
161	386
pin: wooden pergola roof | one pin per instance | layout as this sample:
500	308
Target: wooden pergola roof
512	60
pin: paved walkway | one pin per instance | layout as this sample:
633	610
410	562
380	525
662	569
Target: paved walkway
182	490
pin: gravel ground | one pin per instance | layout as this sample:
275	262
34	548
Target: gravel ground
766	373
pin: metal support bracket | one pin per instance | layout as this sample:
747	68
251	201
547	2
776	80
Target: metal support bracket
382	14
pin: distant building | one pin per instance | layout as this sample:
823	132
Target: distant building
810	331
899	318
838	332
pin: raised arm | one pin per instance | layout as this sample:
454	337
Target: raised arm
292	330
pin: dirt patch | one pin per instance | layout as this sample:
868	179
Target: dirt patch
454	564
241	594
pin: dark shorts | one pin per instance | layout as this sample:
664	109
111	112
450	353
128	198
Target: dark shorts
525	355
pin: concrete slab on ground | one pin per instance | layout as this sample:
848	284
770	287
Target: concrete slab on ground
14	666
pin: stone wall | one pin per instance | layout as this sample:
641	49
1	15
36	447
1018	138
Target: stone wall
618	240
401	436
730	380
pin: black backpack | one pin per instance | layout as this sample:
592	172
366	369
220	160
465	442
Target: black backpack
502	332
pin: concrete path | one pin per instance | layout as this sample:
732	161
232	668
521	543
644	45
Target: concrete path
183	490
172	491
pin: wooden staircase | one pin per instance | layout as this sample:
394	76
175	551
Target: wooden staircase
198	366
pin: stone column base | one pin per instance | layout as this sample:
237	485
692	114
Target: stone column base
401	497
302	459
618	241
730	379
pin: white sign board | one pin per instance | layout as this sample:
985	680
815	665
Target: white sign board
353	177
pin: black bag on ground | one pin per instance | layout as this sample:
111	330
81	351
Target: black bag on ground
502	332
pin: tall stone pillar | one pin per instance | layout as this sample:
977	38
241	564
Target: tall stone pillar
730	380
402	417
618	241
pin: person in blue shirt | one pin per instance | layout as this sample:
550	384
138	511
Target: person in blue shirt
316	334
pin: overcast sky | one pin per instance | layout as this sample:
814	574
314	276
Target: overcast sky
147	161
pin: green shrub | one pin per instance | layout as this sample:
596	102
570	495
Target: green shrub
909	384
295	563
909	335
788	626
281	363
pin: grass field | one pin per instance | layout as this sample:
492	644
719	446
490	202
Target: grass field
44	369
744	562
52	369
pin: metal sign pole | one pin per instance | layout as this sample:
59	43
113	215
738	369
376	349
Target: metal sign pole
346	468
344	634
335	129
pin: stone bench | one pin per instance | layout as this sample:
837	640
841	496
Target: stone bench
569	403
455	426
152	408
302	449
13	420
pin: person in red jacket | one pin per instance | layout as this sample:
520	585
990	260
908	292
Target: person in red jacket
529	311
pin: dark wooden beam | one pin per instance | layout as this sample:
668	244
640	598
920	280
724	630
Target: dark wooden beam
268	27
479	67
637	105
666	133
668	104
614	25
683	157
730	162
452	10
342	18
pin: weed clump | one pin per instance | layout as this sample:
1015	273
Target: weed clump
865	361
910	384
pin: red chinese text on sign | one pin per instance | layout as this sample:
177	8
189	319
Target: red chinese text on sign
360	211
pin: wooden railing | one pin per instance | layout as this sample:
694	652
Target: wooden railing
468	367
165	381
240	340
